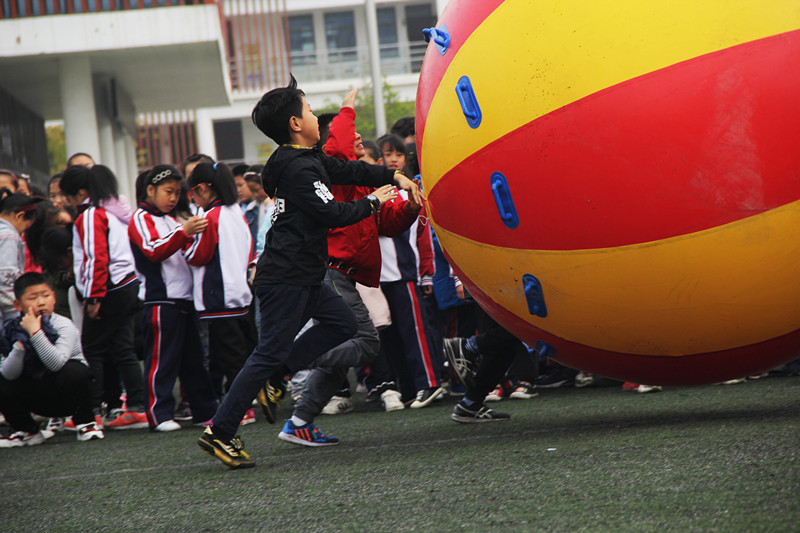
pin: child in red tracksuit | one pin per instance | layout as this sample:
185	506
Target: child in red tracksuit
172	341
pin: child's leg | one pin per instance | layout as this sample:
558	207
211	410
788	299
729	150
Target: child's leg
408	316
118	315
163	345
15	399
231	340
284	310
195	379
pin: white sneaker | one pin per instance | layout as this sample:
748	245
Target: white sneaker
89	431
338	405
168	425
22	438
55	425
391	400
643	389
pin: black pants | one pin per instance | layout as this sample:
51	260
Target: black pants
64	393
108	339
230	342
499	347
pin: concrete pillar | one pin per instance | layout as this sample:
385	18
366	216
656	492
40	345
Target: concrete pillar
77	103
206	143
127	181
105	133
375	67
129	142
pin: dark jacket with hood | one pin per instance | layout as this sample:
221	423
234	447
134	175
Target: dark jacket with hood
300	179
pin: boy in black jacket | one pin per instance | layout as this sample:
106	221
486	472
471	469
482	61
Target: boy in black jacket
289	274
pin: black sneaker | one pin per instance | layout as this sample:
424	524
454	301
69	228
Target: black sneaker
476	413
375	394
463	363
426	396
269	397
183	412
231	453
560	377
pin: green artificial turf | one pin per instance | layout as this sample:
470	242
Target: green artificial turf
713	458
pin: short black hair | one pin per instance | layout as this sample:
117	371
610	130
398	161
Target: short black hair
394	142
324	121
29	279
272	113
240	169
404	127
56	242
218	176
372	150
195	158
76	155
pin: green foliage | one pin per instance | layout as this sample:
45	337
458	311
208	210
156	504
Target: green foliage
365	110
56	149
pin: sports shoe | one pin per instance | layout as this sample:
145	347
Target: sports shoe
69	425
524	391
496	395
167	425
476	413
560	377
338	405
269	397
55	425
584	379
630	386
231	453
426	396
391	400
643	389
22	438
307	435
249	418
89	431
463	363
183	412
127	420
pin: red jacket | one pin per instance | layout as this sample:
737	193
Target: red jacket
354	250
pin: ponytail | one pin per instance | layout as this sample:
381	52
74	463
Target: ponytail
219	178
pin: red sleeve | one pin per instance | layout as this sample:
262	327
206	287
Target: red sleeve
202	249
342	135
425	246
143	234
95	252
394	218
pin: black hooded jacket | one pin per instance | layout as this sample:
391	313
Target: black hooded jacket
296	249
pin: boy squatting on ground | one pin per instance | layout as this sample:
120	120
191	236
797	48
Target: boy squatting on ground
43	369
289	274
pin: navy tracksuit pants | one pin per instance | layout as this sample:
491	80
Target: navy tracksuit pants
172	350
407	343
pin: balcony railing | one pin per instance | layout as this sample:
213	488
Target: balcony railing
12	9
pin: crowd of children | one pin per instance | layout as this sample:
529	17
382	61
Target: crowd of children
231	281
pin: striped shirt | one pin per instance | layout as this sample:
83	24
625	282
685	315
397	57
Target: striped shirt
52	355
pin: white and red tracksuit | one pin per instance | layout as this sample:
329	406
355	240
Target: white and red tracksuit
220	257
407	265
172	342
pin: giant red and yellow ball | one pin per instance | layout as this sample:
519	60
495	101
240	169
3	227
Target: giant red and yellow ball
651	158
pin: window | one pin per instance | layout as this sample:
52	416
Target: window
387	32
418	17
302	49
340	34
229	139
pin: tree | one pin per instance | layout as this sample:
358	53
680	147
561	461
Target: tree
56	149
365	109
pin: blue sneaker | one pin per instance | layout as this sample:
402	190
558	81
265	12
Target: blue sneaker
307	435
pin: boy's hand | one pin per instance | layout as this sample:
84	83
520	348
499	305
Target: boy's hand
414	193
31	322
350	99
385	193
92	310
195	225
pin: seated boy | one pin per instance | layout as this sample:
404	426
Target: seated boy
289	274
42	368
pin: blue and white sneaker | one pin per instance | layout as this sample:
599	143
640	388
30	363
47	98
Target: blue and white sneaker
307	435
